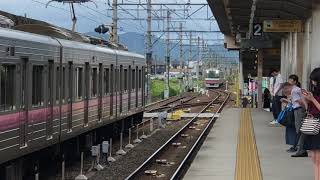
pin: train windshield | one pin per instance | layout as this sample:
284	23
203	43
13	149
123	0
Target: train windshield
213	74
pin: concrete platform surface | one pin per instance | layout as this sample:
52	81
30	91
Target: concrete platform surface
216	159
276	163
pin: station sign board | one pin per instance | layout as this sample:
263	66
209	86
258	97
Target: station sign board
282	26
272	52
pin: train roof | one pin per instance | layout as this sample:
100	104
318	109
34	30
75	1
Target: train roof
26	36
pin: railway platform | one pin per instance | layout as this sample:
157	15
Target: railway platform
242	146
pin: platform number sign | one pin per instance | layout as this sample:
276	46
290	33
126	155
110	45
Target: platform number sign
257	29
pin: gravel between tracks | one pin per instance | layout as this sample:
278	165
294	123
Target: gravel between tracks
136	156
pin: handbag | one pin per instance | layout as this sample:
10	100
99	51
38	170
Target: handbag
286	116
310	125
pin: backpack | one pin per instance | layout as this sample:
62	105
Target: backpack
286	116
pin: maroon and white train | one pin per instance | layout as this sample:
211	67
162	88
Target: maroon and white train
53	89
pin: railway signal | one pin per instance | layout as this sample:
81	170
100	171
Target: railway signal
102	29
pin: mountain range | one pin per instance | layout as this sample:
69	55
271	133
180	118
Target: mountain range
135	42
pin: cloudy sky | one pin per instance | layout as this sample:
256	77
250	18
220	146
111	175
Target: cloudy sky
90	17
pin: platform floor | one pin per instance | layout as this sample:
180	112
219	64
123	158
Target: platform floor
217	158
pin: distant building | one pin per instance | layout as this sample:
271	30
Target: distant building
6	22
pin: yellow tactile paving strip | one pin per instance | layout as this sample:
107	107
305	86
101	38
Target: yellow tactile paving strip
247	163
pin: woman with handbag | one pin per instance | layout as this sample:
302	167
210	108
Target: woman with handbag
312	142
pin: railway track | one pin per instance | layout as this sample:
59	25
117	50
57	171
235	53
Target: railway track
137	156
169	161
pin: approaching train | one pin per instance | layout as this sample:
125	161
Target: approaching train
214	78
53	89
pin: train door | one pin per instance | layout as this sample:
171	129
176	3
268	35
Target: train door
50	96
86	93
106	95
100	91
120	82
117	90
70	95
129	88
125	89
143	86
133	89
111	89
137	87
140	99
25	100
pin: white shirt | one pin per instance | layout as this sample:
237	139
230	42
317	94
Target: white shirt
277	85
296	94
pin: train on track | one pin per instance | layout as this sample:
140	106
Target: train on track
214	78
53	89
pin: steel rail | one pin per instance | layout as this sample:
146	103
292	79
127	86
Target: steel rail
199	139
174	136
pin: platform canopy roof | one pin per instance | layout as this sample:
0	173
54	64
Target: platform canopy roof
233	16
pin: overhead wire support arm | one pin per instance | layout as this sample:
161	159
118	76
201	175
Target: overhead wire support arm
73	14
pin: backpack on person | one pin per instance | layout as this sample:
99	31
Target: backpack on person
286	116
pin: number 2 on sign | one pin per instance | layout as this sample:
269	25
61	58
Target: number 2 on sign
257	30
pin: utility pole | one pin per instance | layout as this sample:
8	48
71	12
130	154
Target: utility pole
114	26
181	48
149	52
201	59
189	60
198	61
181	60
155	64
167	85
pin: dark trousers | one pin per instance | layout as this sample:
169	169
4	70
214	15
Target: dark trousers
276	106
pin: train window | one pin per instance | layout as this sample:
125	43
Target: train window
24	82
112	80
125	79
70	82
37	85
78	83
117	79
133	79
7	75
57	83
50	82
140	78
94	82
63	83
121	78
106	81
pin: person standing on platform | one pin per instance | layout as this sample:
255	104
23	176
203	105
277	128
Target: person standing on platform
293	135
245	102
266	99
277	95
312	143
299	106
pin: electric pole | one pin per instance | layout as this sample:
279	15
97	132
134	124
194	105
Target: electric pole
189	60
167	85
149	52
114	26
181	60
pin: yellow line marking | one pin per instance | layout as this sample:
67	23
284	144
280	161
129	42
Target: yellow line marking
247	163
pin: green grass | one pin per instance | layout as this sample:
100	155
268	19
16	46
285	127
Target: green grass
200	83
157	88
